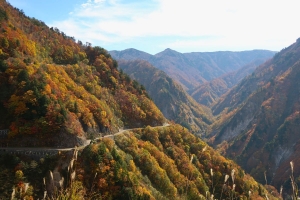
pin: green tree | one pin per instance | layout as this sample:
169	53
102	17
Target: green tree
23	76
4	43
3	15
3	66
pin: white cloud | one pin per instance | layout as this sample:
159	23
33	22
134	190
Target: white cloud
232	22
99	1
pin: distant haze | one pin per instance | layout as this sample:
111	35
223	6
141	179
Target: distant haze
193	69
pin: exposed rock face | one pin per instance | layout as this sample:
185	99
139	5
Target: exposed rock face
260	118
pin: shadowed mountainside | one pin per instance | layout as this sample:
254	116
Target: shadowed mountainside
169	96
259	119
208	93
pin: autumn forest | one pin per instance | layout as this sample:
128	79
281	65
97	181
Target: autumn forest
76	122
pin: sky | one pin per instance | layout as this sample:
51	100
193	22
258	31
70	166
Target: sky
182	25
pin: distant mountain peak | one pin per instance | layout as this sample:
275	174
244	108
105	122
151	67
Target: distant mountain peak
133	49
130	54
169	52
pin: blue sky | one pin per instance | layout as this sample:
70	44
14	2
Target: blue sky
185	26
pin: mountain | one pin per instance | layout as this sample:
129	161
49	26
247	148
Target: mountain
130	54
57	92
259	119
169	96
193	69
208	93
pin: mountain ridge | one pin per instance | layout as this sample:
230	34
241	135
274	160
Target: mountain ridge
54	90
202	66
208	93
259	118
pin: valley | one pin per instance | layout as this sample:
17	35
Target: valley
81	122
236	100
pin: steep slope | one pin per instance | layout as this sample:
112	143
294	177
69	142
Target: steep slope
51	86
177	66
179	165
209	92
169	96
259	119
193	69
149	163
55	91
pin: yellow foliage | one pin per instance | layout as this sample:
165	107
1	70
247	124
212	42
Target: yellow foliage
47	89
22	84
29	97
113	80
131	166
31	47
30	70
18	105
103	113
19	175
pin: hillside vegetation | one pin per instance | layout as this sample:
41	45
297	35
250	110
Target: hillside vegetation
169	96
164	163
52	86
259	119
149	163
209	93
56	92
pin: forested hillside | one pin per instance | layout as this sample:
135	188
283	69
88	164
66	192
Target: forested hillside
208	93
169	96
166	163
150	163
259	119
56	92
52	86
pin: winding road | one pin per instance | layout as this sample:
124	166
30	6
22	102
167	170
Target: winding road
40	151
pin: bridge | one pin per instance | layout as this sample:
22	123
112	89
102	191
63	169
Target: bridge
28	151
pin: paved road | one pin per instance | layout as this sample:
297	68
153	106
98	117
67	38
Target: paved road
45	150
